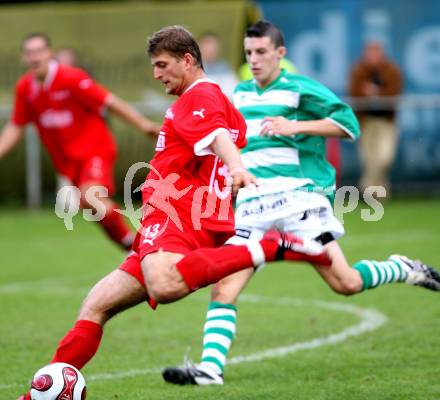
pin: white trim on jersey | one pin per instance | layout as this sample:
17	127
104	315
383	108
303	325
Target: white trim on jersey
51	72
270	98
202	80
202	147
347	131
270	156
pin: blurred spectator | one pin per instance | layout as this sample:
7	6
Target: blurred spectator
374	77
245	72
68	56
216	68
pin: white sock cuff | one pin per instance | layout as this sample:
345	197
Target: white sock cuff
256	251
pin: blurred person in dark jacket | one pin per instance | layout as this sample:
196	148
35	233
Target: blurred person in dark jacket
375	77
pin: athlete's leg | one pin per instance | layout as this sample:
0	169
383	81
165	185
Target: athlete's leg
169	276
340	276
97	173
229	288
110	220
114	293
221	320
218	334
370	274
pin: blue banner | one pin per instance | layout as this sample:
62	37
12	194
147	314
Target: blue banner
325	37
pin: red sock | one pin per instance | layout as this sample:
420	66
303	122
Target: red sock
203	267
117	230
80	344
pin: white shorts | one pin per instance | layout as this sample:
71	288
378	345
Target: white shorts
307	215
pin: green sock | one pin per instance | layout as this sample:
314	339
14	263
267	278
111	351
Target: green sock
219	332
377	273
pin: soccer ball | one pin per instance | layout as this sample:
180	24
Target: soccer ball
58	381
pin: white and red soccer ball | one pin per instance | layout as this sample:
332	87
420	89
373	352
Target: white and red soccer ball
58	381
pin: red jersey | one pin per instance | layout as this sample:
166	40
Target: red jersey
196	177
67	111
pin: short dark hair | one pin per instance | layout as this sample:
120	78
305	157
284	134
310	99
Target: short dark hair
35	35
266	29
175	40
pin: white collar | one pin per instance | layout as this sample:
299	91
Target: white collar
201	80
52	70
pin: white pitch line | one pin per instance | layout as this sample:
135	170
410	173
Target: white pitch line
370	320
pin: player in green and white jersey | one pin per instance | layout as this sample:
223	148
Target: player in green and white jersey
289	117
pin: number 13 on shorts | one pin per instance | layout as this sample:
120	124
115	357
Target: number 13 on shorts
150	233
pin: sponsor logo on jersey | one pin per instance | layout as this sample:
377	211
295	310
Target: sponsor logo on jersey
261	207
60	95
56	118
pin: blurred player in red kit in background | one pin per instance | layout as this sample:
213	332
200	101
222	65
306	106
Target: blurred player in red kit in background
66	106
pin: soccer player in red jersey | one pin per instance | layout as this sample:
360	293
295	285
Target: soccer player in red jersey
187	214
66	107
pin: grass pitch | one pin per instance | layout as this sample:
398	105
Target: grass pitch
46	271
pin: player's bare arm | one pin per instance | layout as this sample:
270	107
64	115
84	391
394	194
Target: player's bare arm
225	148
9	137
123	110
282	126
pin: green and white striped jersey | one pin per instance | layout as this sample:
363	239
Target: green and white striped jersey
284	163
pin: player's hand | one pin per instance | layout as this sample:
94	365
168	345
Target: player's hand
241	177
151	129
278	126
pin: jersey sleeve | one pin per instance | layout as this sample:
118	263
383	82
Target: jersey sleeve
21	113
199	120
88	92
320	103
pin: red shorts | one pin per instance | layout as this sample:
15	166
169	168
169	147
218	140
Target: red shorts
158	231
96	170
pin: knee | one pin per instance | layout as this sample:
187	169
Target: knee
160	293
165	287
